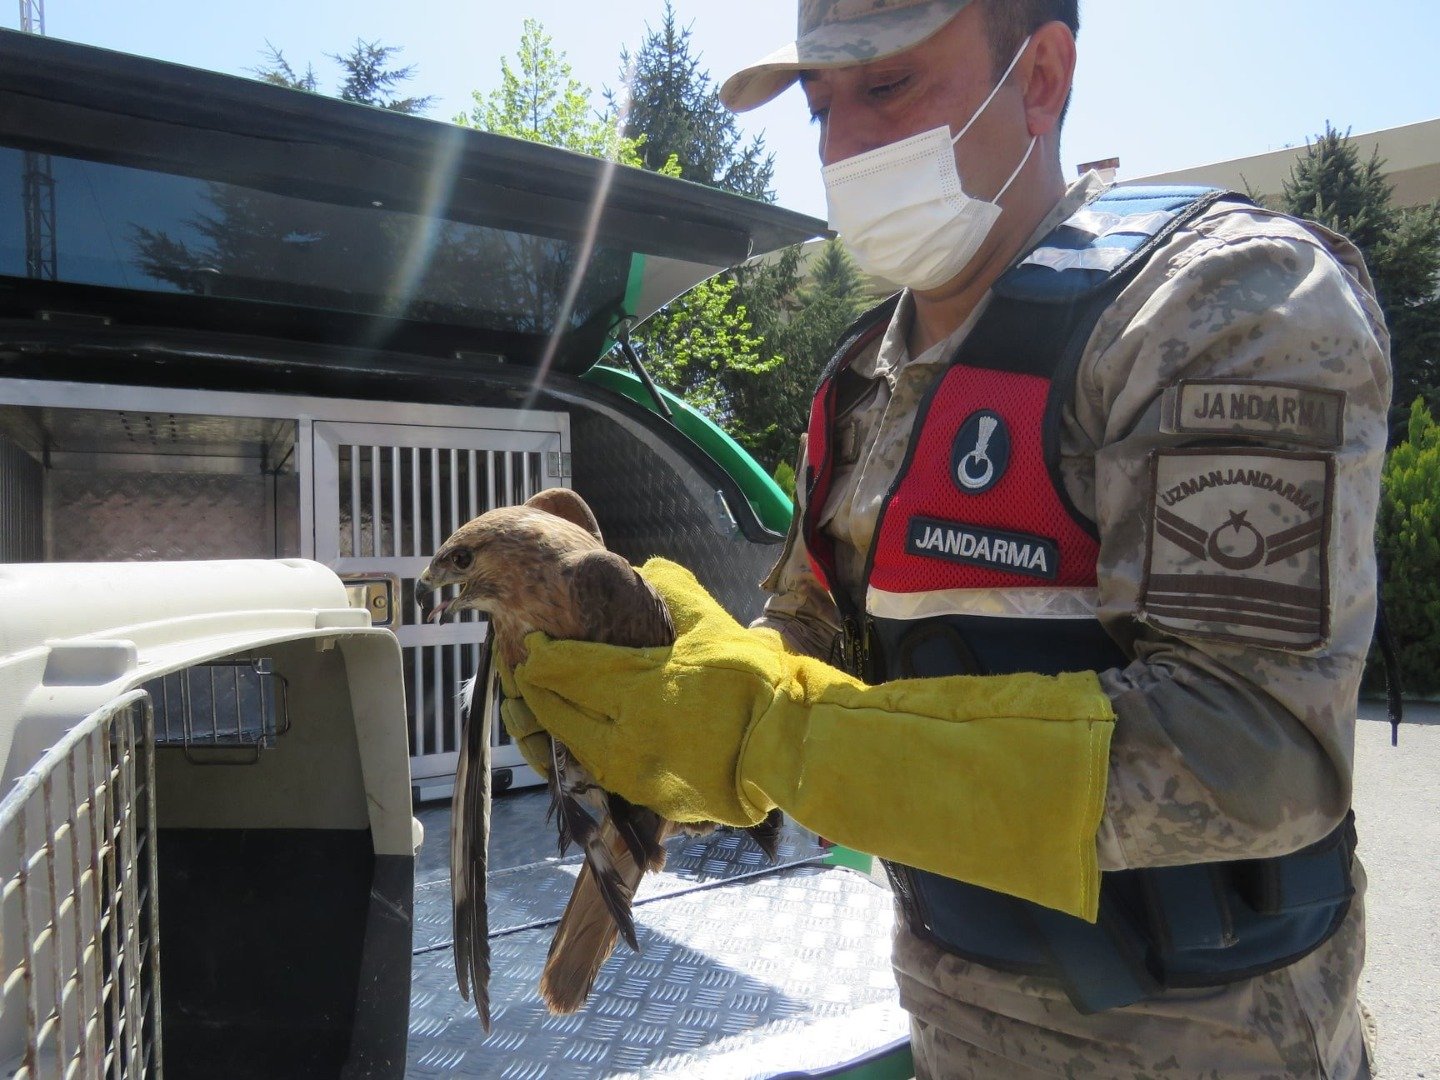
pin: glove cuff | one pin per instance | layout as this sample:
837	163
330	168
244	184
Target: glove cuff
998	780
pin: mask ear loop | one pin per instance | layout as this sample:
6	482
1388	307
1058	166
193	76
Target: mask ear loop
1006	186
986	103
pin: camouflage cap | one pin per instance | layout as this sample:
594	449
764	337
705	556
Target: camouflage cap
837	33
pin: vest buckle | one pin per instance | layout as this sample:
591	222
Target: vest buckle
852	651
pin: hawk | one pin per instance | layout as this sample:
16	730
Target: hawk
544	566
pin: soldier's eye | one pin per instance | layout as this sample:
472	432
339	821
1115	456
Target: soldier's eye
462	559
886	89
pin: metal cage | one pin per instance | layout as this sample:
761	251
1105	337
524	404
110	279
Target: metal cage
79	957
222	712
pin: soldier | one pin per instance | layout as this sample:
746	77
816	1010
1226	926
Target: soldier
1089	508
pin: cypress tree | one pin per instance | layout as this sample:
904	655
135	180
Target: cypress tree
799	306
367	77
1332	185
674	105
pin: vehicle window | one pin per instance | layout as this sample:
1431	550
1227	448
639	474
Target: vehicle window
132	228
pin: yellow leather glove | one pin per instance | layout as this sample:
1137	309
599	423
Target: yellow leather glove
995	780
532	740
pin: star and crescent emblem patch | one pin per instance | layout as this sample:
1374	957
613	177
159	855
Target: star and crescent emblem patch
1238	544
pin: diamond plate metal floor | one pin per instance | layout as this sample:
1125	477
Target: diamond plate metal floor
745	970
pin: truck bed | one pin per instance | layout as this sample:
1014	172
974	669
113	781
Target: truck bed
746	969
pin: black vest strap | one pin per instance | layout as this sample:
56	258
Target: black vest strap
1207	924
987	645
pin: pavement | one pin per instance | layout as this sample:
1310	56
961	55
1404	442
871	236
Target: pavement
1397	815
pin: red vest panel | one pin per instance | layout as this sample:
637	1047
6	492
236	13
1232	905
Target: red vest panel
974	505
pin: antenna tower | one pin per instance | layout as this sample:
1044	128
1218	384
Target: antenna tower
37	180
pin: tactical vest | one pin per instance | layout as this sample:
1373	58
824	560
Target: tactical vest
980	564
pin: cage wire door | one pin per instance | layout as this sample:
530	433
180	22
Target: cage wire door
79	956
386	497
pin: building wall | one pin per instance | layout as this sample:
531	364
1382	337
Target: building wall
1411	155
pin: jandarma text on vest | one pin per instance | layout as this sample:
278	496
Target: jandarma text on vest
1033	556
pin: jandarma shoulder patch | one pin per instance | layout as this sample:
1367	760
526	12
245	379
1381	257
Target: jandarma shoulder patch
1238	542
1267	410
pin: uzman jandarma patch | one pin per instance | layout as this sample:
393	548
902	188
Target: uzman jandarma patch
1238	544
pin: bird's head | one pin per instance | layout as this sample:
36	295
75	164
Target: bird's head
501	556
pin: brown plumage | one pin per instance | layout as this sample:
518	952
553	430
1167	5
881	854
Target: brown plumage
543	566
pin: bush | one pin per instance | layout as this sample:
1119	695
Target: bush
785	477
1408	541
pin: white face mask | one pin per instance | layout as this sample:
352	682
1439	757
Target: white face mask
901	209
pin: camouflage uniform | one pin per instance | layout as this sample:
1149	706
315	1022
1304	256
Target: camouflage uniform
1256	338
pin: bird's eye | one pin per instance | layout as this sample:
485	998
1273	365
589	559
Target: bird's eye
462	559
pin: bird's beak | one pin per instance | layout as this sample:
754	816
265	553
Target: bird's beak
425	597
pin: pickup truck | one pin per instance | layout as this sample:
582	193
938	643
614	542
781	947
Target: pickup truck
260	352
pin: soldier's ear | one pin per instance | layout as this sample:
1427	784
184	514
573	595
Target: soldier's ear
564	503
1049	78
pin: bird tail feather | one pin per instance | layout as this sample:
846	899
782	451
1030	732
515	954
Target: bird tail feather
596	840
640	829
587	932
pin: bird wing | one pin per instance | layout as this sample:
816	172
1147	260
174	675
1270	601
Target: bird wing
620	606
470	839
567	504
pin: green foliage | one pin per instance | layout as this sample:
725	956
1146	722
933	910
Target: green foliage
674	107
540	99
835	277
703	348
1408	540
785	478
277	72
800	312
369	81
367	77
1332	185
747	347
